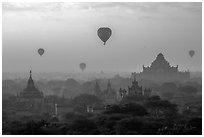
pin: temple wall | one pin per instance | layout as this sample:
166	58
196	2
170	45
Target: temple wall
165	77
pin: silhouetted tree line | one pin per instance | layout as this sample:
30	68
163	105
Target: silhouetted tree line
72	88
133	115
153	117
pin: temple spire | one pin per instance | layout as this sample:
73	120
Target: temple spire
97	90
109	84
134	77
109	88
30	74
30	83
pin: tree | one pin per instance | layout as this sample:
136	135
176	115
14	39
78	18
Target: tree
129	109
84	100
154	98
106	123
14	128
188	90
129	126
167	90
71	84
158	107
33	128
80	109
70	117
196	124
82	126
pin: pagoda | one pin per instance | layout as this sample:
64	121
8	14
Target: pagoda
134	90
160	70
109	93
31	92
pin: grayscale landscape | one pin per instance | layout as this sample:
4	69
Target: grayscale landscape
102	68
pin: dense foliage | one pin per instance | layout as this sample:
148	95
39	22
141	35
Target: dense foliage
156	116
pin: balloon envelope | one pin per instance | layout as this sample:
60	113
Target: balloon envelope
82	66
191	53
104	33
41	51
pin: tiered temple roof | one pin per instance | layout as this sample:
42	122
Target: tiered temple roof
161	70
31	91
134	90
160	64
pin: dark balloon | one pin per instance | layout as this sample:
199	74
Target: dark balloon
41	51
191	53
104	34
82	66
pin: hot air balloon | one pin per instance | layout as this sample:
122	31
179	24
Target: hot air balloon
41	51
191	53
82	66
104	33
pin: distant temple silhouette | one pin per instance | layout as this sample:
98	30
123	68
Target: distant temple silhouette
30	98
31	92
134	90
161	71
109	94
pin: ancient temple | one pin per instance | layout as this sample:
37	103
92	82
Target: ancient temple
30	99
134	90
147	92
31	92
161	71
97	90
109	93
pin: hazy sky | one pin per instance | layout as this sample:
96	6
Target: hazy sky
68	33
